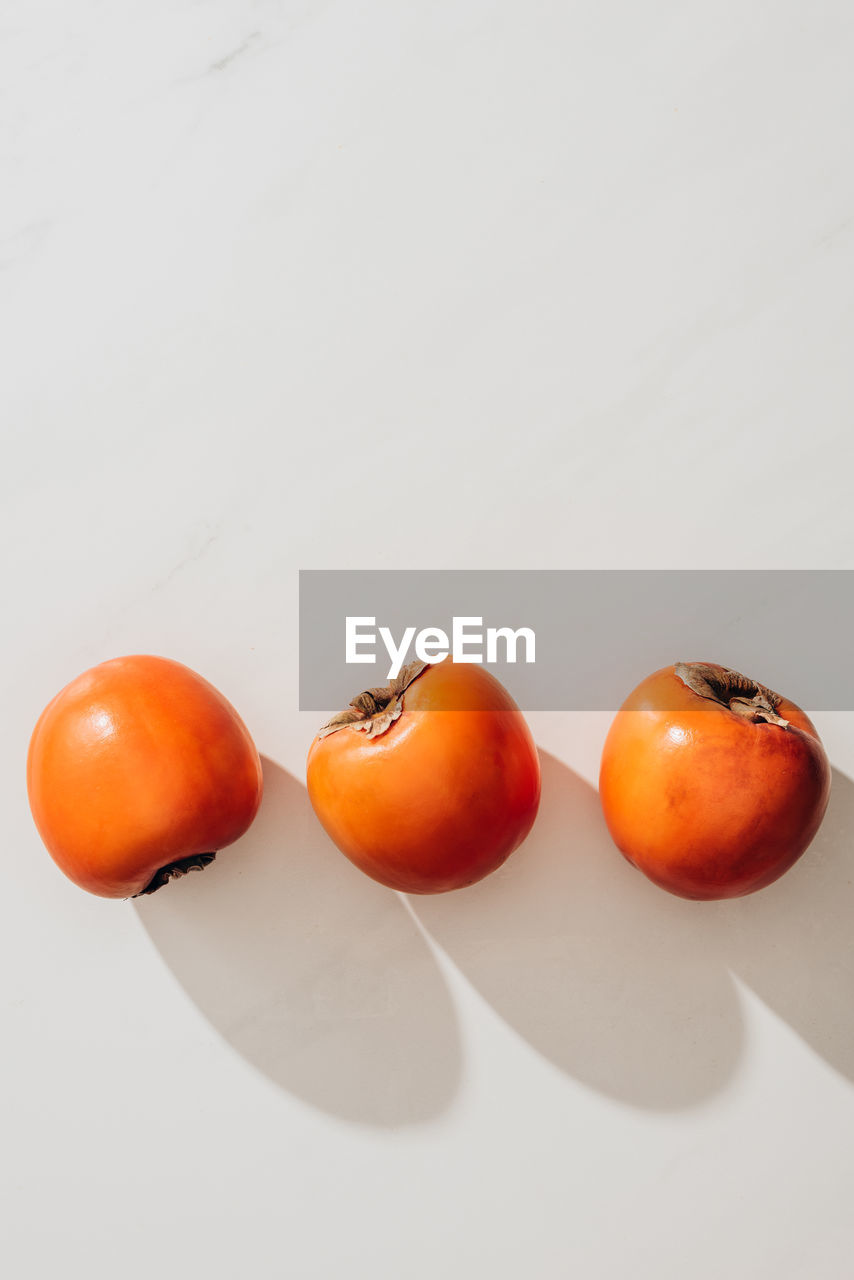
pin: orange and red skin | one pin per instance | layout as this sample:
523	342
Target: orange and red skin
705	803
443	796
135	764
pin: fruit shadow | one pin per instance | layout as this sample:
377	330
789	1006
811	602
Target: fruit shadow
630	990
793	942
317	976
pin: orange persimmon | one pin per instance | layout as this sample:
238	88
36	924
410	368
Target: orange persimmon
138	771
429	784
712	784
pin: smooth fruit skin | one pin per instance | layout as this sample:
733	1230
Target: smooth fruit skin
443	796
703	802
137	763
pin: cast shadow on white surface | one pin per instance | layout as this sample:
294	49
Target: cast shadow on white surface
793	943
318	976
629	989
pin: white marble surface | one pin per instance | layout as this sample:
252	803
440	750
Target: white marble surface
385	285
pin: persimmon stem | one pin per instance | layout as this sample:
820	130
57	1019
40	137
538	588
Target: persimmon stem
174	871
375	710
739	694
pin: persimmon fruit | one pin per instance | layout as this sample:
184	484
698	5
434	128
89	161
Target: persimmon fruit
429	784
712	784
138	771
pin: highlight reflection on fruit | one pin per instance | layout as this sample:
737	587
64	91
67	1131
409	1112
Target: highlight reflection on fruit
429	784
138	771
711	784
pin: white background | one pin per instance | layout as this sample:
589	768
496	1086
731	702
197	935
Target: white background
383	284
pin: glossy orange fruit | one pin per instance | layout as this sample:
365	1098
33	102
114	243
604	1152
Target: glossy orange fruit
430	784
138	771
711	784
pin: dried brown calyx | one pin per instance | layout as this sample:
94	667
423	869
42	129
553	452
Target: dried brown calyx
375	710
174	871
743	696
